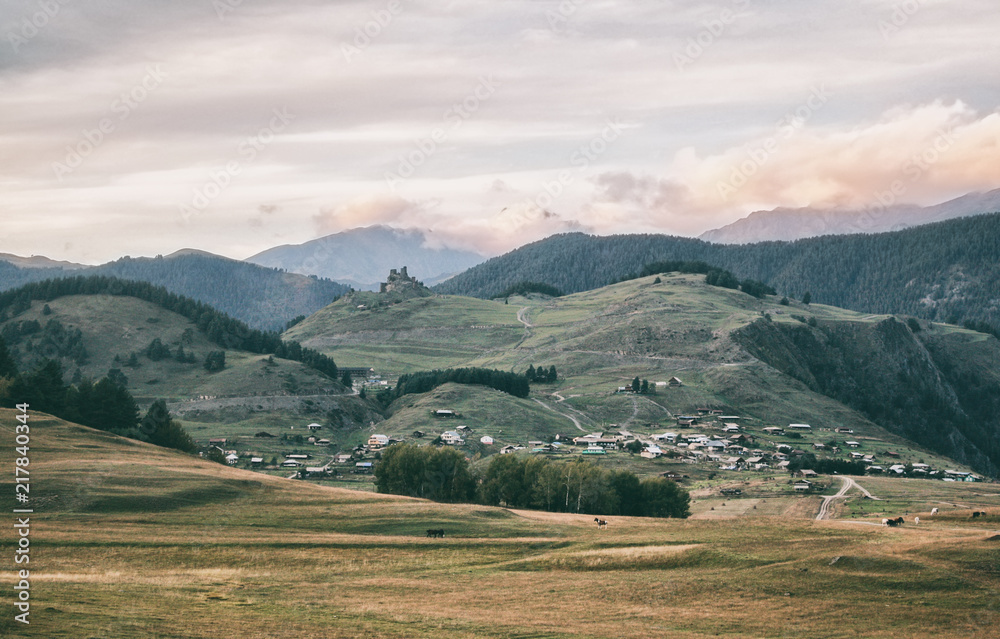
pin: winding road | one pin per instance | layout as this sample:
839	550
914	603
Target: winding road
846	484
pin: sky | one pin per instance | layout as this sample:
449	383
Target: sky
232	126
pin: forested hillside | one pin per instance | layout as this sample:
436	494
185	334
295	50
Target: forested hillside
264	298
948	271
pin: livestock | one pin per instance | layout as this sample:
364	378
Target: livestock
916	520
934	511
978	514
601	523
435	532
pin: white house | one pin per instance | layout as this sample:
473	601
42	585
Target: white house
232	458
451	438
799	427
651	452
376	442
486	439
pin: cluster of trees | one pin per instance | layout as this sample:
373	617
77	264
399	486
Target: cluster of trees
264	298
642	387
54	340
882	273
525	288
826	466
426	381
105	404
222	330
443	474
541	374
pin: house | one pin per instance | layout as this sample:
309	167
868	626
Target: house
868	459
291	463
802	484
674	382
856	455
342	458
686	422
852	444
674	476
256	461
799	427
486	439
651	452
730	428
819	446
444	413
220	441
739	439
670	437
774	431
297	456
322	442
848	431
716	445
510	449
593	450
452	438
232	458
808	474
464	429
377	442
363	468
890	453
314	427
316	470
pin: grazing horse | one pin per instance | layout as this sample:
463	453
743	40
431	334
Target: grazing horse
892	523
435	532
978	514
601	523
885	522
934	511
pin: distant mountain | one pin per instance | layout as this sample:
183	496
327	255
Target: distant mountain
796	224
264	298
361	257
38	261
948	271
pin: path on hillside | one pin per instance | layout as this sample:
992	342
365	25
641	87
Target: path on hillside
560	399
846	484
575	421
522	316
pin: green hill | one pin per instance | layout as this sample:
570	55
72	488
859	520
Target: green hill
947	272
732	351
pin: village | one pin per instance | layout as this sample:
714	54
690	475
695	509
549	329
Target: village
706	440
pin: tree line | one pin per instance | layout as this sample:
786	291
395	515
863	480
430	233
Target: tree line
426	381
221	329
443	474
105	405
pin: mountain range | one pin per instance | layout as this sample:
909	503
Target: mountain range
361	257
785	224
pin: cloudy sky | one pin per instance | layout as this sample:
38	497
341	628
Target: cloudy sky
138	127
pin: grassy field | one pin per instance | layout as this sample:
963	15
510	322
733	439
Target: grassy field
133	541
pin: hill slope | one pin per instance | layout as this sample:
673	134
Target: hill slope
361	257
717	340
948	271
263	298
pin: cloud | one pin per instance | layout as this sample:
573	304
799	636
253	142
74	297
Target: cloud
368	211
921	154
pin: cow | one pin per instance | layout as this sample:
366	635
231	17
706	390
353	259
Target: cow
601	523
916	520
978	514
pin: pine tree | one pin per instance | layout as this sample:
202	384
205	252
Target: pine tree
636	384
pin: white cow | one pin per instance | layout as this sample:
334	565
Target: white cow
916	520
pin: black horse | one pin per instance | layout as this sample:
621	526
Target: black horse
435	532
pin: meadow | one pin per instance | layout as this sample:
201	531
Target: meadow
135	541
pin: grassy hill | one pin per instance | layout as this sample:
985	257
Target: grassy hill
252	393
726	346
948	272
130	540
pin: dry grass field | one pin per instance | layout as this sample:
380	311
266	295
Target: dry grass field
135	541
